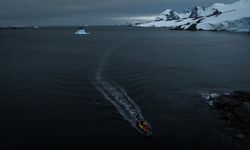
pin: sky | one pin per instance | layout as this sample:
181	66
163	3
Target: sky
91	12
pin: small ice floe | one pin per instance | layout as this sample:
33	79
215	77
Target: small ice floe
81	31
36	27
210	97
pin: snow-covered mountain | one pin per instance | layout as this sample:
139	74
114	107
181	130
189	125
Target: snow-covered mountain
168	15
218	17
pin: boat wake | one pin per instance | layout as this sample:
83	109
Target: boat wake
117	96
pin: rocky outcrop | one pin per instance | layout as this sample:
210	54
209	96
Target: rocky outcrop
235	108
199	12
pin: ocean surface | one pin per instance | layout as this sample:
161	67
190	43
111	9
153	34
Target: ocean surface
59	90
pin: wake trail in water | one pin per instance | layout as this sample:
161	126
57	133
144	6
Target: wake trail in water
116	95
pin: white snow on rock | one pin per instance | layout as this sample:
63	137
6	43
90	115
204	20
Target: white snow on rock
81	31
203	12
218	17
168	15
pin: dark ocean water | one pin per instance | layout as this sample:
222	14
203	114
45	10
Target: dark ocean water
53	86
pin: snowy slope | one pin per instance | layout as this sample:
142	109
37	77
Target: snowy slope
234	17
228	17
170	14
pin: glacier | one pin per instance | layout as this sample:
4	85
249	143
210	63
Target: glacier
218	17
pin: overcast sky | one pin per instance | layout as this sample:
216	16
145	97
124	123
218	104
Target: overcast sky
92	12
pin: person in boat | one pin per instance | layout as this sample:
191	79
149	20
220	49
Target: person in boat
144	126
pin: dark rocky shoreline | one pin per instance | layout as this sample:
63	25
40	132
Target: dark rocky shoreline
235	109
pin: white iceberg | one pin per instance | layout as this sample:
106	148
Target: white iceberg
81	32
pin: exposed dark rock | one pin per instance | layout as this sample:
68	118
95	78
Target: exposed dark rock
189	26
197	10
177	28
199	21
235	108
192	27
172	16
241	96
217	12
193	13
225	102
243	113
136	23
158	19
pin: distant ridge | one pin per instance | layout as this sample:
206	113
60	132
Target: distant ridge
218	17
